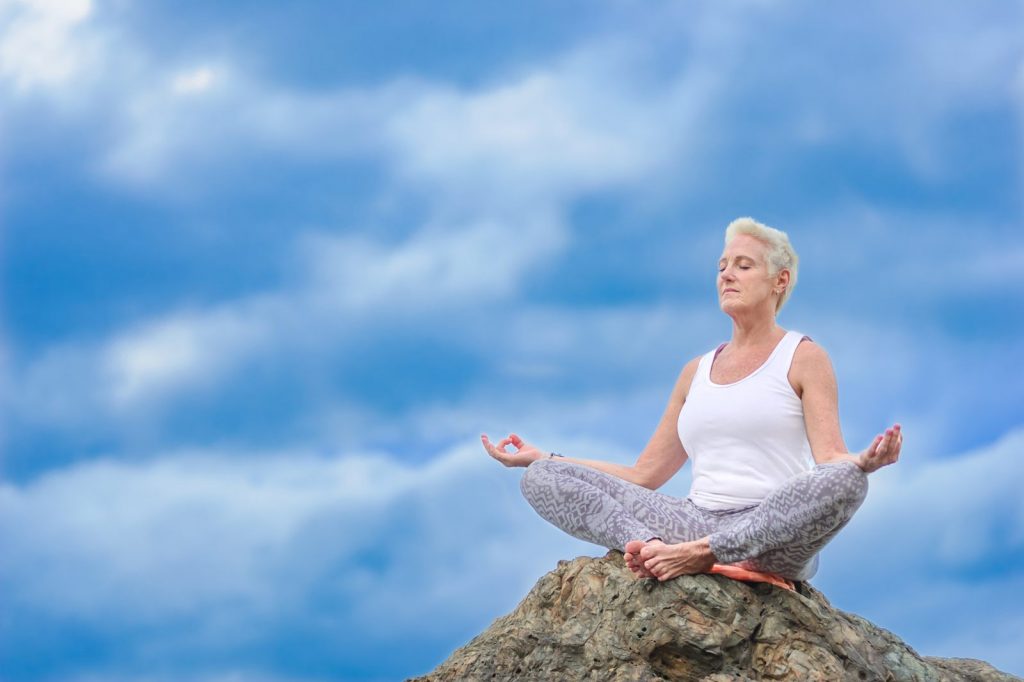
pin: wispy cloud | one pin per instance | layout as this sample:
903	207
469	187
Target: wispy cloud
349	284
581	124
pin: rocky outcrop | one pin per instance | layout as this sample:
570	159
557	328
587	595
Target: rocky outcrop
589	619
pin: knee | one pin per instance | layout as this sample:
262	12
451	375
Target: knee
537	478
853	486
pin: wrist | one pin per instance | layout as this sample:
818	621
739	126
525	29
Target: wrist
861	464
550	455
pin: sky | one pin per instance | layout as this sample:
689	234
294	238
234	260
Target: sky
269	269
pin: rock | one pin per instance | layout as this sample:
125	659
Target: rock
590	619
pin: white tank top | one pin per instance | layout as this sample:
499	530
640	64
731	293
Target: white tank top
745	438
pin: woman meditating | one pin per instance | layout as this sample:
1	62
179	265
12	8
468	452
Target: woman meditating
750	415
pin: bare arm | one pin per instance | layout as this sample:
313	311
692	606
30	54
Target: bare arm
658	462
814	381
663	455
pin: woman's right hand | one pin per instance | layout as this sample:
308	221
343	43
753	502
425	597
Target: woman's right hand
883	451
524	455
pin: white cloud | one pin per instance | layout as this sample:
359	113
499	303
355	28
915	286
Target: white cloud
182	350
940	534
438	266
580	125
117	544
946	515
590	119
608	112
927	67
352	285
39	41
347	285
168	135
84	386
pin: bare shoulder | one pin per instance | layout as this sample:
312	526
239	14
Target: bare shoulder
690	370
810	353
682	387
811	365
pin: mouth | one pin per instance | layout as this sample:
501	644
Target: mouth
726	291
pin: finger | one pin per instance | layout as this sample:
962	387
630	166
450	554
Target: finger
497	453
891	452
873	448
893	445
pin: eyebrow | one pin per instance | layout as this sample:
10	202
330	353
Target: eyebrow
739	257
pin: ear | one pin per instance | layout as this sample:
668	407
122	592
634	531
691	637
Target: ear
782	279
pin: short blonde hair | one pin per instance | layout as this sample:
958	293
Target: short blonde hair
779	254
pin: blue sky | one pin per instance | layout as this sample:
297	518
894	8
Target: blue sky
269	269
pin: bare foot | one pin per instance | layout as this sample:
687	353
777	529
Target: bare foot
669	561
633	561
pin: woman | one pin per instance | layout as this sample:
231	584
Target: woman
750	415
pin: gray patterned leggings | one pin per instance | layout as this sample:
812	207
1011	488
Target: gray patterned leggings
783	534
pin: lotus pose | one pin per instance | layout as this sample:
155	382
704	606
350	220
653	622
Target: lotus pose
758	416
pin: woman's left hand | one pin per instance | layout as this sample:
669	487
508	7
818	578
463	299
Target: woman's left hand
524	455
883	451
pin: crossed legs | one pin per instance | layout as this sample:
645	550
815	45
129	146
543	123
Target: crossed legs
604	509
782	535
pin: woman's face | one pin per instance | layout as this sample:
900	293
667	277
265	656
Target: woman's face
743	281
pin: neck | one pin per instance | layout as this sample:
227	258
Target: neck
755	329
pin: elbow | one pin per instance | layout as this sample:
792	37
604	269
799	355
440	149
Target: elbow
645	479
654	473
